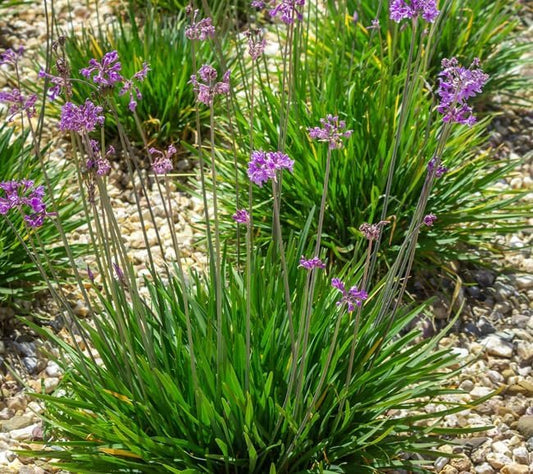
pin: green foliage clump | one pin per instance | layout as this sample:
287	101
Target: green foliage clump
142	408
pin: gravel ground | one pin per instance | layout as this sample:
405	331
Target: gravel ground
496	327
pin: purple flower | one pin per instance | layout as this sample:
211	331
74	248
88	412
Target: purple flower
258	4
314	262
105	73
162	161
207	88
331	131
372	231
429	220
26	198
200	30
287	11
119	273
256	42
374	26
241	216
264	165
456	85
11	56
98	163
132	89
408	9
18	103
352	297
82	119
440	171
355	16
90	274
59	83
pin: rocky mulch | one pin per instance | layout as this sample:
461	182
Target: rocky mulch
495	331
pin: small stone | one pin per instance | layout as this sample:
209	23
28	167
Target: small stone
467	385
498	347
52	369
524	282
525	426
461	464
50	384
16	423
524	350
501	447
33	365
479	392
440	463
448	469
25	434
17	403
31	470
521	455
498	460
484	468
484	278
515	468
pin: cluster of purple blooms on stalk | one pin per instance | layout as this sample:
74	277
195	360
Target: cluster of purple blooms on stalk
352	297
241	216
456	85
440	170
106	74
429	220
200	30
17	102
81	118
207	87
287	11
162	160
331	131
265	165
311	263
409	9
96	162
20	194
256	42
372	231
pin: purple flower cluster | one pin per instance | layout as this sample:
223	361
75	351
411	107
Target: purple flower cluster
314	262
352	297
11	56
408	9
372	231
288	10
429	220
130	87
81	118
59	83
258	4
105	73
264	165
456	85
331	131
207	88
256	42
23	194
241	216
98	163
200	30
17	102
440	169
162	160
